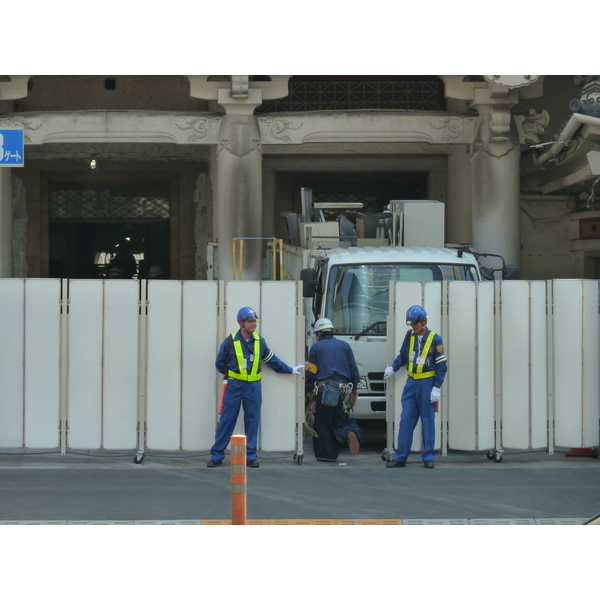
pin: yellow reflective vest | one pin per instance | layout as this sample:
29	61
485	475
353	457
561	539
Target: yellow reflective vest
419	373
244	375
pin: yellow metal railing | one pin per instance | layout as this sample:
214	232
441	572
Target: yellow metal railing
277	253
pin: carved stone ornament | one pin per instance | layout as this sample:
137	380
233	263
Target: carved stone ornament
511	81
531	125
492	145
200	127
453	127
276	128
239	136
19	122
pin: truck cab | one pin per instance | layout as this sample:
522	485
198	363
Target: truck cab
350	287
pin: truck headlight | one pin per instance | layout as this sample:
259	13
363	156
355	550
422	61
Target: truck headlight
362	384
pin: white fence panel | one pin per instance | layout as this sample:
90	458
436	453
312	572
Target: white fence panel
164	365
539	365
200	389
461	351
568	354
281	393
591	390
515	357
85	347
486	364
42	362
12	324
121	358
432	303
575	345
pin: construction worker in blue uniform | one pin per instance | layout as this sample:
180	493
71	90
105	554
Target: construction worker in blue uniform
240	358
332	366
422	353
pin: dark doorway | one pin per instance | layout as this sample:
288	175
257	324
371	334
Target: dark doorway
116	225
121	250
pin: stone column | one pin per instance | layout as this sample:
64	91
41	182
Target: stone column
5	222
459	199
238	181
239	195
494	162
495	188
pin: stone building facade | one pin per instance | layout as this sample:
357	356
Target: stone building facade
168	165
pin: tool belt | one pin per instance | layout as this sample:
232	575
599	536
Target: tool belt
333	392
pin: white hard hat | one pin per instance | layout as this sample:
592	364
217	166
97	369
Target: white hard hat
323	325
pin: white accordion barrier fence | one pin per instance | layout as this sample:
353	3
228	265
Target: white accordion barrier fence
122	364
523	362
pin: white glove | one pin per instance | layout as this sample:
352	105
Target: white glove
435	395
297	370
389	371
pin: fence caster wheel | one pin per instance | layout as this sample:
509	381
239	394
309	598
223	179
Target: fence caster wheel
139	458
384	455
490	454
298	458
595	453
498	457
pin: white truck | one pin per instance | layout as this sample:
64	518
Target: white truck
350	286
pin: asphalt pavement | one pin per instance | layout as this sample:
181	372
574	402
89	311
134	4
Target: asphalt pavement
465	488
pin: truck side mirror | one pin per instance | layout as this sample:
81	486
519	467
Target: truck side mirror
309	282
510	272
487	273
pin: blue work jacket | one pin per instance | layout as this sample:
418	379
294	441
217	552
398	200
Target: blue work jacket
433	360
331	359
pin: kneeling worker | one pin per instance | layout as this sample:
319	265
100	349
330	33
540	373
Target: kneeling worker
332	368
423	354
239	358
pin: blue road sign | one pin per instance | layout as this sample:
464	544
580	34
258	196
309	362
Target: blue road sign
12	148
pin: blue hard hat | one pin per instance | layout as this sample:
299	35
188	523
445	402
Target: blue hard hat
415	314
247	314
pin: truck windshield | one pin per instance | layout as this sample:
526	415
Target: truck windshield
358	295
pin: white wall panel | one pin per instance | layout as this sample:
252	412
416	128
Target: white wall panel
42	362
516	336
539	366
164	365
591	401
120	355
12	303
280	392
568	323
433	308
485	365
462	365
85	364
200	392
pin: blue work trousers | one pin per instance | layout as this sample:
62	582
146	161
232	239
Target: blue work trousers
416	403
239	394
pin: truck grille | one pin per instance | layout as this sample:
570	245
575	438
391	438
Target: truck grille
375	381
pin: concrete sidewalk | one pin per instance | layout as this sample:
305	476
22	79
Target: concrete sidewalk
177	488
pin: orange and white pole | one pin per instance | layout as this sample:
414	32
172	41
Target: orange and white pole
238	479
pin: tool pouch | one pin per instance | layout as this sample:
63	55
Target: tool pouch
330	393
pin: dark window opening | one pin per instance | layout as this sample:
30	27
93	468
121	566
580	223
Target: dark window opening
110	83
376	92
109	229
